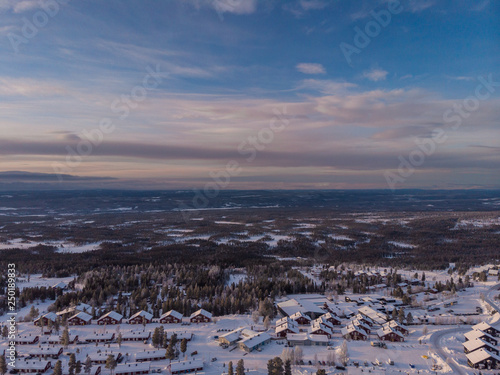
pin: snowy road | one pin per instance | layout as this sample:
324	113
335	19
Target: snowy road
436	344
490	301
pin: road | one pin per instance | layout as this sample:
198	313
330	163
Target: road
489	301
435	342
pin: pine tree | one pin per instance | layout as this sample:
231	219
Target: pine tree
288	367
321	371
183	345
72	364
111	363
5	332
156	338
57	368
65	337
275	366
119	340
57	325
88	365
240	368
170	354
230	368
3	365
78	367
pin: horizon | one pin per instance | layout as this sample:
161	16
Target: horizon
249	95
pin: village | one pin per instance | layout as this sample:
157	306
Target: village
351	333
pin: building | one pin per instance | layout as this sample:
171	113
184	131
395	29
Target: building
292	306
132	368
398	327
322	320
284	329
95	370
388	334
375	316
305	339
45	319
111	317
60	285
362	325
33	366
475	334
333	319
100	358
300	318
230	338
485	327
200	316
136	335
56	339
482	359
150	355
184	367
27	339
365	320
100	337
351	332
80	319
255	341
473	345
171	317
141	317
180	335
46	352
321	329
286	320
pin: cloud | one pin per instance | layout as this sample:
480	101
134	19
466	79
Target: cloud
30	176
310	68
239	7
376	75
461	78
326	86
301	7
29	87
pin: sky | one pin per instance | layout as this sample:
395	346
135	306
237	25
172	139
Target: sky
250	94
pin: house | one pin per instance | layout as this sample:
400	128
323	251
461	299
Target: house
140	335
483	359
475	334
56	339
321	329
150	355
60	285
300	318
360	324
46	351
29	339
398	327
100	358
100	337
333	319
305	339
180	335
95	370
286	320
80	319
284	329
132	368
351	332
200	316
473	345
365	320
250	343
292	306
376	316
485	327
81	307
184	367
493	272
230	338
171	317
45	319
33	366
141	317
111	317
386	333
322	320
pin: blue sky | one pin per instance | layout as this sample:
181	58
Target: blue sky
227	68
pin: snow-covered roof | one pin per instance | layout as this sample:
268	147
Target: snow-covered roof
232	336
480	355
132	367
285	320
83	316
306	337
50	316
299	314
45	350
253	341
135	334
150	354
100	336
394	324
350	329
201	312
472	345
142	314
173	313
386	330
483	326
103	355
113	315
475	334
186	365
374	315
31	365
286	326
60	284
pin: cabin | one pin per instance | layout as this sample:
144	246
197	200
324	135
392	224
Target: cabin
111	317
255	341
398	327
321	329
485	327
185	367
150	355
60	285
80	319
286	320
28	339
136	335
473	345
388	334
100	358
322	320
365	320
141	317
95	370
284	329
46	352
363	326
351	332
230	338
375	316
475	334
56	339
31	366
333	319
132	368
200	316
483	360
45	319
100	337
304	339
300	318
171	317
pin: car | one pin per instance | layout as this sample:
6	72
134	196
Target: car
214	359
390	362
411	365
339	367
13	371
194	353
